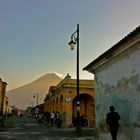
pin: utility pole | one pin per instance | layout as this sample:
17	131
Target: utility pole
37	99
75	41
36	96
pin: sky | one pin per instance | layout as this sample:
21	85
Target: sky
34	35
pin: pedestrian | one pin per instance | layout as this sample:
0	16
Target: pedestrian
84	121
2	120
112	120
52	118
58	120
39	118
47	115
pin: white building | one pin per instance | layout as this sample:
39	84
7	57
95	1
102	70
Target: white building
117	82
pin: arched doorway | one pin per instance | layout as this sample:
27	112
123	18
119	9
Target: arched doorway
53	104
61	104
57	109
87	108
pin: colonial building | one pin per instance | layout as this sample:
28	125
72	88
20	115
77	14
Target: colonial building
2	95
62	98
117	83
5	107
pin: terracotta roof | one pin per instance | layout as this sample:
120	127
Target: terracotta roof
123	40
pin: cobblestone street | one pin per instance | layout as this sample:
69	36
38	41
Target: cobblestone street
26	128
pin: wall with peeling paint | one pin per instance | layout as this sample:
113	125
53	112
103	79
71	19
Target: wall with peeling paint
117	82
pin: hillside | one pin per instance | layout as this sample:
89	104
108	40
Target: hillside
22	97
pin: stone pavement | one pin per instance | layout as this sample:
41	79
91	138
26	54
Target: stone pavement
72	134
29	129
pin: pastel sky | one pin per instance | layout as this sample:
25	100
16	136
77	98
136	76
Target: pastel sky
34	35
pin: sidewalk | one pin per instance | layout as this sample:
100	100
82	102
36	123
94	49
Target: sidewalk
84	133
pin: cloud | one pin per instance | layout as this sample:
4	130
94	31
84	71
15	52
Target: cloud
60	75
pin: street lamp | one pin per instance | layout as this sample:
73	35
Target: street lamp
72	43
36	96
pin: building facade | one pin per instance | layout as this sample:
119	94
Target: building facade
117	83
2	95
62	98
5	107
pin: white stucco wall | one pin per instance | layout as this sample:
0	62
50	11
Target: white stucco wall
118	83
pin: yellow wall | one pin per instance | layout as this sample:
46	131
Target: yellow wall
58	100
5	108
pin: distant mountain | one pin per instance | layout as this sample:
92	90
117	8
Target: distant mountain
26	95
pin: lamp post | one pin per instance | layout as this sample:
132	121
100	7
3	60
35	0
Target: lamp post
75	41
36	96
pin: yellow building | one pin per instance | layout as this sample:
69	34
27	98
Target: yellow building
2	95
5	107
62	98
